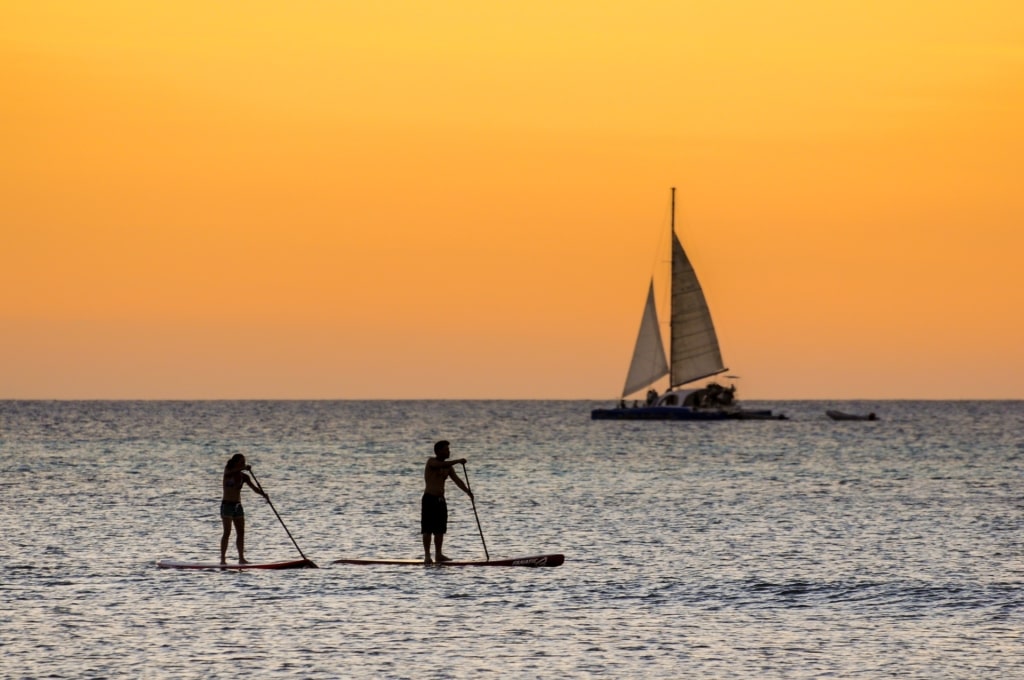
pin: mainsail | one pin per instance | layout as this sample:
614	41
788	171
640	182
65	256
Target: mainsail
648	362
694	345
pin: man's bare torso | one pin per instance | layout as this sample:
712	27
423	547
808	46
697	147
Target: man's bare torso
434	476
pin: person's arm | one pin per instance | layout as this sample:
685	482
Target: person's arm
445	464
255	488
459	483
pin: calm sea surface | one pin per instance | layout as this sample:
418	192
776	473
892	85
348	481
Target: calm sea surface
793	549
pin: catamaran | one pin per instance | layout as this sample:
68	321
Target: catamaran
693	355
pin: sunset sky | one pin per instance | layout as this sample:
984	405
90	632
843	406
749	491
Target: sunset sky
465	199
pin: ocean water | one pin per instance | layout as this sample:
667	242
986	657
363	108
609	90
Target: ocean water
803	548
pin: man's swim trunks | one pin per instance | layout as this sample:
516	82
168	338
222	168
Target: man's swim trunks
230	509
434	515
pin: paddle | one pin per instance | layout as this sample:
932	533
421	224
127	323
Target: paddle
471	498
311	563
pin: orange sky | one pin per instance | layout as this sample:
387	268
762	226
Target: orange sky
399	199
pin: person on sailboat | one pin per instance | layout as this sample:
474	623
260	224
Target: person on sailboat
231	512
434	509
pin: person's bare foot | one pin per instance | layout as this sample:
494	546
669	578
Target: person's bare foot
242	560
427	560
443	558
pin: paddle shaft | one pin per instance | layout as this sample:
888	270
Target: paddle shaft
473	500
279	518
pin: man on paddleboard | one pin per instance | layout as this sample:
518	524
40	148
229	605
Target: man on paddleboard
231	505
434	512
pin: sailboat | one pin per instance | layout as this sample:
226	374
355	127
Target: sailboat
693	355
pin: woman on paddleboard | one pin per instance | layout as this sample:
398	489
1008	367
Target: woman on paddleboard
434	509
231	511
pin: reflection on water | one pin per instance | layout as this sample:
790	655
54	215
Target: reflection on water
790	549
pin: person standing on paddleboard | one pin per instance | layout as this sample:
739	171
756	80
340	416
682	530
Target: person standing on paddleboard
231	505
434	513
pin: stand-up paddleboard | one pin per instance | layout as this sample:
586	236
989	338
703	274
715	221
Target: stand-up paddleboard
178	564
531	561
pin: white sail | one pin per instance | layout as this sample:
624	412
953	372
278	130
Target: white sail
694	345
649	362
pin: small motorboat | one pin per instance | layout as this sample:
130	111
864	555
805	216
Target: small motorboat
840	415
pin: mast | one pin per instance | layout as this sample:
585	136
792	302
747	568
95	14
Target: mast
671	276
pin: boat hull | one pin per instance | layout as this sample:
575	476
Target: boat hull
680	413
743	414
656	413
839	415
